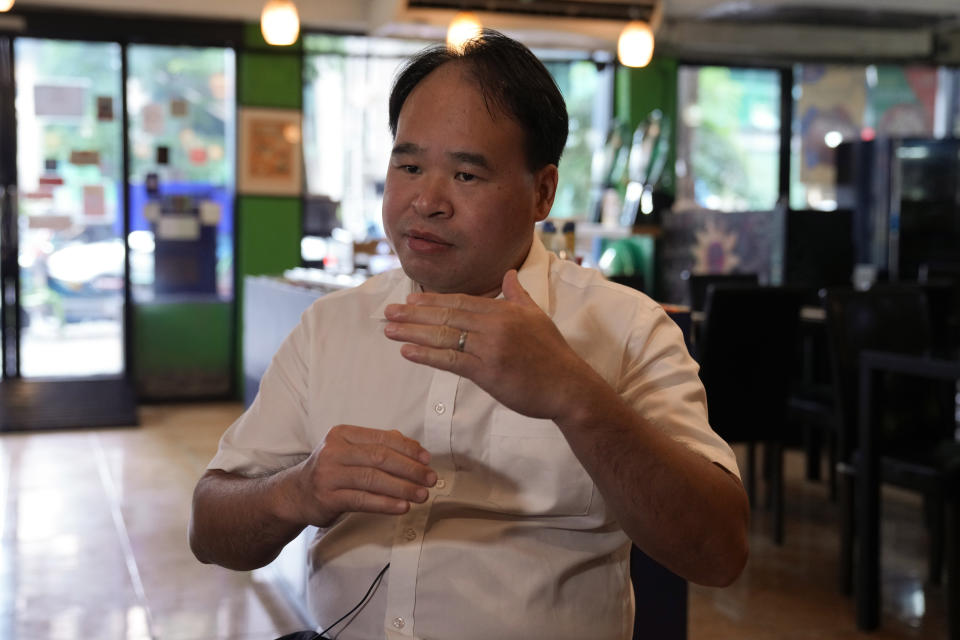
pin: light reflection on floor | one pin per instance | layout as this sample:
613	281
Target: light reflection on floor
69	569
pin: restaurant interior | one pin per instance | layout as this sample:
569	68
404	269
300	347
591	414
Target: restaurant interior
180	180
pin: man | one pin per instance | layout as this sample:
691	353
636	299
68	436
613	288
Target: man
480	436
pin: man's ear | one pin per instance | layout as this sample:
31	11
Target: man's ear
545	189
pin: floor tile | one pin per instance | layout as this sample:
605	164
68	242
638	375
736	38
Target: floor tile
73	504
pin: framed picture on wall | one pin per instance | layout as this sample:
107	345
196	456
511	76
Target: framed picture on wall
270	160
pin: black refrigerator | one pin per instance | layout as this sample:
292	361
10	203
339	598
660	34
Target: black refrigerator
905	198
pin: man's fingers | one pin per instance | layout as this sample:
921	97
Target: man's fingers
355	500
384	459
434	315
438	336
381	483
392	439
461	363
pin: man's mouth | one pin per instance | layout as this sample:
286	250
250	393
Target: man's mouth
425	241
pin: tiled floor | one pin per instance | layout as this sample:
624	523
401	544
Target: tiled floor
93	546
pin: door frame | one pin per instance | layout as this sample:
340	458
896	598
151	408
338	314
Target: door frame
88	26
9	247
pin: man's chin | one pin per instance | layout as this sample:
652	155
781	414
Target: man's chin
433	282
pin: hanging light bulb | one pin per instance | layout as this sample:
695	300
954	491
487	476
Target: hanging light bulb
6	5
464	26
279	22
635	47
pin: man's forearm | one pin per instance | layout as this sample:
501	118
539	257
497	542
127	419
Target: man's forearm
684	511
238	522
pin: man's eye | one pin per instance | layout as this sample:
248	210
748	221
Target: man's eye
410	168
463	176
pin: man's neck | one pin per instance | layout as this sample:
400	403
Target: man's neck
493	293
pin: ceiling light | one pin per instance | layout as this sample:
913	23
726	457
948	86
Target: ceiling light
279	22
464	26
833	139
635	47
6	5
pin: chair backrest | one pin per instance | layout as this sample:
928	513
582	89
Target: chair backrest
945	278
943	311
697	285
634	281
748	353
884	318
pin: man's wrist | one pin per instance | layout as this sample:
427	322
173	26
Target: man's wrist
283	491
590	398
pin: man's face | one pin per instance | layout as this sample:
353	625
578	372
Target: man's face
459	202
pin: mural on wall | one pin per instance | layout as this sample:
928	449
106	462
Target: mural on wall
839	103
701	241
713	249
820	112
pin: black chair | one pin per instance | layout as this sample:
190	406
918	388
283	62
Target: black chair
811	406
747	356
698	283
634	281
916	439
660	599
942	286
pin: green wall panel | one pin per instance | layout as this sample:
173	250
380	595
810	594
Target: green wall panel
268	243
182	348
268	228
269	234
640	91
271	80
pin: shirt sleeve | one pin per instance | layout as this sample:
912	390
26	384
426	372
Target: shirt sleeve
271	434
661	381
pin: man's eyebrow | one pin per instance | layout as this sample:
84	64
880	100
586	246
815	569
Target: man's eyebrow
468	157
406	148
476	159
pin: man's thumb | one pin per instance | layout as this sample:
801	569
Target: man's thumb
513	290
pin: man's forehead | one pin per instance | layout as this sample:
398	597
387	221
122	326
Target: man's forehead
457	83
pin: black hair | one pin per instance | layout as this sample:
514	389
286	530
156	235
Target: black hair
511	80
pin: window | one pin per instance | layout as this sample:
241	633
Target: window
587	88
728	138
347	139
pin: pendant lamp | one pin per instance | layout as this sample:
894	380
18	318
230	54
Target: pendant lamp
279	22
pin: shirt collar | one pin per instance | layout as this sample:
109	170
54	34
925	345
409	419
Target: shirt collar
534	272
532	275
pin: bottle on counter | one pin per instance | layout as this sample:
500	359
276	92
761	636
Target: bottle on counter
547	232
570	239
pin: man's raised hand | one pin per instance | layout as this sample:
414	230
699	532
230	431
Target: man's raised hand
512	349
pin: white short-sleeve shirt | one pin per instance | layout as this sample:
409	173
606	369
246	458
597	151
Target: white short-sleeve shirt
515	541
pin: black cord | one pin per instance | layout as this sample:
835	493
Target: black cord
363	601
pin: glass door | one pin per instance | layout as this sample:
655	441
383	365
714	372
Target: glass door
182	122
181	113
72	254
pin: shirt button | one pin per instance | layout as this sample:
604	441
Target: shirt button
410	534
398	623
439	408
441	483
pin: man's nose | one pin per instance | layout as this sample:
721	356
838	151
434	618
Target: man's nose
432	198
